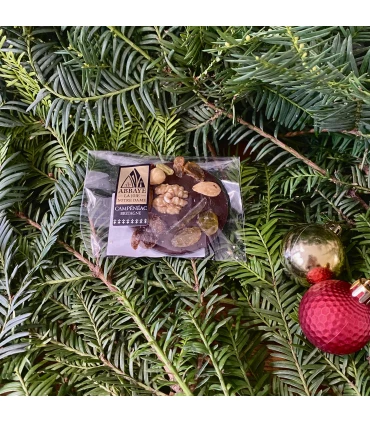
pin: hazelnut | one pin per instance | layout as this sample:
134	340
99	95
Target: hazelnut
157	176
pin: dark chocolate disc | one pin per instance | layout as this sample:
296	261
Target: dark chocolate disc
219	205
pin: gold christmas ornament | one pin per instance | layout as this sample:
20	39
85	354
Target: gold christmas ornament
310	246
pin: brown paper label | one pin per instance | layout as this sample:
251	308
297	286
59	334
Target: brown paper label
131	199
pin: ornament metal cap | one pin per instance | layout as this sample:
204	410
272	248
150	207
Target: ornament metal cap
361	290
334	227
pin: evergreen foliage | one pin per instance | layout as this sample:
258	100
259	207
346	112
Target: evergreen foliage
293	102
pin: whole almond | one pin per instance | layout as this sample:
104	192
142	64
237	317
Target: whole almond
210	189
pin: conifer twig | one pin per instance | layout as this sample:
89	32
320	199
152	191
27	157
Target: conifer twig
275	141
292	134
290	150
211	148
352	193
88	98
91	266
99	273
211	355
340	213
119	34
129	378
196	280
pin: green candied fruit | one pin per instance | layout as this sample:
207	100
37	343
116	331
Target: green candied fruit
208	222
186	237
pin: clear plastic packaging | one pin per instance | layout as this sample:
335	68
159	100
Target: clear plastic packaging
143	206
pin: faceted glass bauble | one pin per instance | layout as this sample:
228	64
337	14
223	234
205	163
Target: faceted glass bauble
312	245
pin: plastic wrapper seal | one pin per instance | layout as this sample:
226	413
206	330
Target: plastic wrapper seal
144	206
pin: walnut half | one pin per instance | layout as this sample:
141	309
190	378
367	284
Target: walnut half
170	198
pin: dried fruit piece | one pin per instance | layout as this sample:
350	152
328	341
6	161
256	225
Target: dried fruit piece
194	170
178	166
135	239
147	236
189	216
208	222
148	239
157	176
186	237
166	169
157	225
144	237
210	189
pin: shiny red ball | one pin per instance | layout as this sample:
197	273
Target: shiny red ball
319	274
333	320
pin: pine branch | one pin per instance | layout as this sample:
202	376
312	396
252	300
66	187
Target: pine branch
130	43
130	379
293	352
109	94
211	148
24	387
211	355
105	362
353	194
275	141
244	372
293	134
100	96
350	383
95	270
287	148
196	285
98	272
342	215
126	326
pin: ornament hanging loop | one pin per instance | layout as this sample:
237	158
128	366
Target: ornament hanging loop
334	227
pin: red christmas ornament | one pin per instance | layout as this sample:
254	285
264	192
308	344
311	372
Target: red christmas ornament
319	274
335	316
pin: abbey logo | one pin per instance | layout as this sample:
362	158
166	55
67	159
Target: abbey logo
133	180
130	202
132	186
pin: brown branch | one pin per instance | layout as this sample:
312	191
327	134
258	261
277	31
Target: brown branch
175	388
211	148
28	220
313	131
275	141
196	280
96	270
285	147
352	193
365	169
